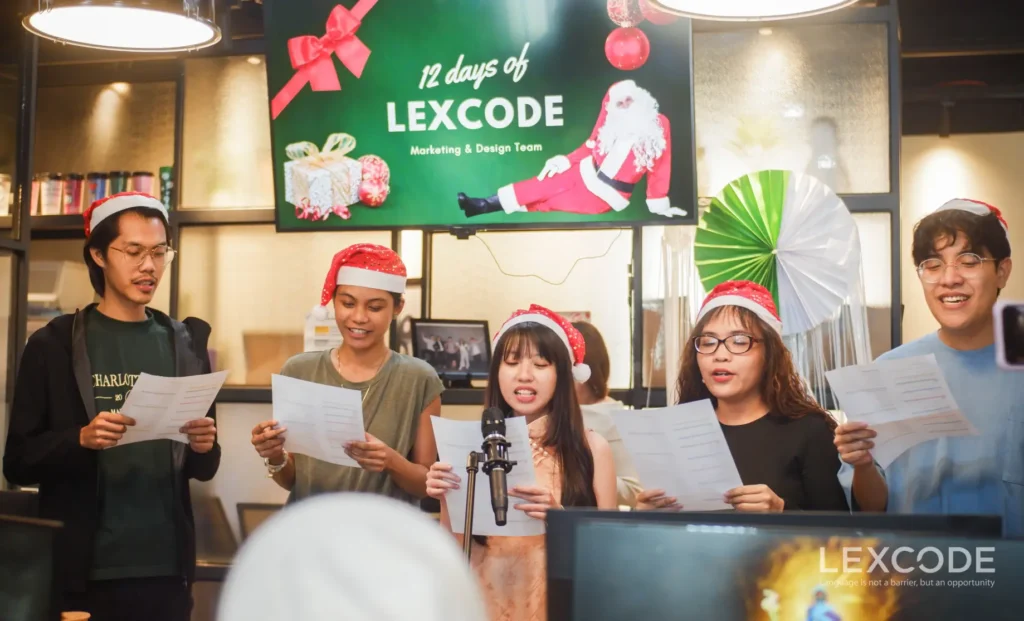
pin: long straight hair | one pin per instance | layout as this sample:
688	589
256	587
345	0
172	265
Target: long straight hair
565	434
782	389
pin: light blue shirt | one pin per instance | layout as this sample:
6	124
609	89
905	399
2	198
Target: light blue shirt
981	474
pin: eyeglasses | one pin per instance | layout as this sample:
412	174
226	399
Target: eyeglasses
135	256
736	343
967	265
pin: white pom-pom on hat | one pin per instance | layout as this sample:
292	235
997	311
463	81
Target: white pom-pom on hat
581	372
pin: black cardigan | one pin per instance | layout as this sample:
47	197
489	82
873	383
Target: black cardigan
53	400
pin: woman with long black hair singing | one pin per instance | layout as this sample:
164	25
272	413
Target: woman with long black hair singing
537	356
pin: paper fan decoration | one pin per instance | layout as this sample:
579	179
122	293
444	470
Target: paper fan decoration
787	232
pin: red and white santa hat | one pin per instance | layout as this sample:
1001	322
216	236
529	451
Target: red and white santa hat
745	294
103	208
362	265
561	326
978	208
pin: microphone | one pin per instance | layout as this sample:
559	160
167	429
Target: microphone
496	463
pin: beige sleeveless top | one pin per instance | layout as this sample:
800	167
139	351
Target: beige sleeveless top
393	402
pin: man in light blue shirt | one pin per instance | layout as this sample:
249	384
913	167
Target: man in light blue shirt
963	256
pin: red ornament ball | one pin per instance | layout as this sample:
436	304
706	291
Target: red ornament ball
625	13
654	15
373	192
627	48
375	168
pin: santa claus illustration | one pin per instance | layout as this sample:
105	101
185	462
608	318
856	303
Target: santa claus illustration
630	140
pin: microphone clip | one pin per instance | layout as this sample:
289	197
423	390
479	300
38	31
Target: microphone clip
495	454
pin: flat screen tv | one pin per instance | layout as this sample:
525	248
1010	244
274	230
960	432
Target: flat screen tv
563	541
726	572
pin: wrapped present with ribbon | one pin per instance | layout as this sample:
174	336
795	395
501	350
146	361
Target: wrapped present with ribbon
319	182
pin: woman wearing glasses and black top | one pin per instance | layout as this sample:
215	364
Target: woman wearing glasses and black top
780	438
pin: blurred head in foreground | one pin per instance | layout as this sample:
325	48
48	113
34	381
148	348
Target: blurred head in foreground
357	557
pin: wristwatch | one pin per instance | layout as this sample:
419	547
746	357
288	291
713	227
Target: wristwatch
271	468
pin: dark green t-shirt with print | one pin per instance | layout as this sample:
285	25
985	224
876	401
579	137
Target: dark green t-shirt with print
137	536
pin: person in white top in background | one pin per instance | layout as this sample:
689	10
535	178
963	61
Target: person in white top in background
463	356
597	408
357	557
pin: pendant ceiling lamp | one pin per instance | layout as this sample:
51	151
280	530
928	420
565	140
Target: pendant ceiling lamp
126	25
749	10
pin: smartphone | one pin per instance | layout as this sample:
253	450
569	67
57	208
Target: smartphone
1009	318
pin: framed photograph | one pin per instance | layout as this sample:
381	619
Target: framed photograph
460	350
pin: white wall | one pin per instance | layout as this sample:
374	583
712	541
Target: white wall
986	167
468	283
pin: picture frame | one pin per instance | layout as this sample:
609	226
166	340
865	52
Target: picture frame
458	349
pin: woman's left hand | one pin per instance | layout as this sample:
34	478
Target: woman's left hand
538	501
372	455
755	498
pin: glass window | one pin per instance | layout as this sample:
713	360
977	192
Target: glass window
255	287
119	127
807	98
492	274
226	157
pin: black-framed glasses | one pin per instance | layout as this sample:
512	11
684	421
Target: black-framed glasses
735	343
135	256
967	265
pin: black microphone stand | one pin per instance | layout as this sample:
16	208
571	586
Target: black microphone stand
472	468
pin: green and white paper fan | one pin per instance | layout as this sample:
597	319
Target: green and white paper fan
787	232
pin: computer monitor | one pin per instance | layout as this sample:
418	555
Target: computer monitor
651	570
459	350
563	527
26	569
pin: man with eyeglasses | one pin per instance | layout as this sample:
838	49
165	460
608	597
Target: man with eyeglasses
127	549
963	256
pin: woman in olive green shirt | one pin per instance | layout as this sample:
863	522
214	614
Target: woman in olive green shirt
400	393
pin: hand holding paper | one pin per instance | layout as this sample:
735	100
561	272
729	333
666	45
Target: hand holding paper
321	420
162	406
905	401
682	450
455	441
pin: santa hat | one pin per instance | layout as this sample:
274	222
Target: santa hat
339	556
978	208
103	208
561	326
744	294
362	265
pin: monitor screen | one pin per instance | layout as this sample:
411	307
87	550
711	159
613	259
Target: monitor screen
563	528
458	350
26	569
725	572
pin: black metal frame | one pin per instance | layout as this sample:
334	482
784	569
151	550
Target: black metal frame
174	70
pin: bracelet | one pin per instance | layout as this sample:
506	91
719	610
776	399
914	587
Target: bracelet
274	469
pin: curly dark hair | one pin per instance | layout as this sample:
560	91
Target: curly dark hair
782	388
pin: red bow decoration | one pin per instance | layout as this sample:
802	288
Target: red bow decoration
311	55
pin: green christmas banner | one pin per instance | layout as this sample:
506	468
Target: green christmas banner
484	114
